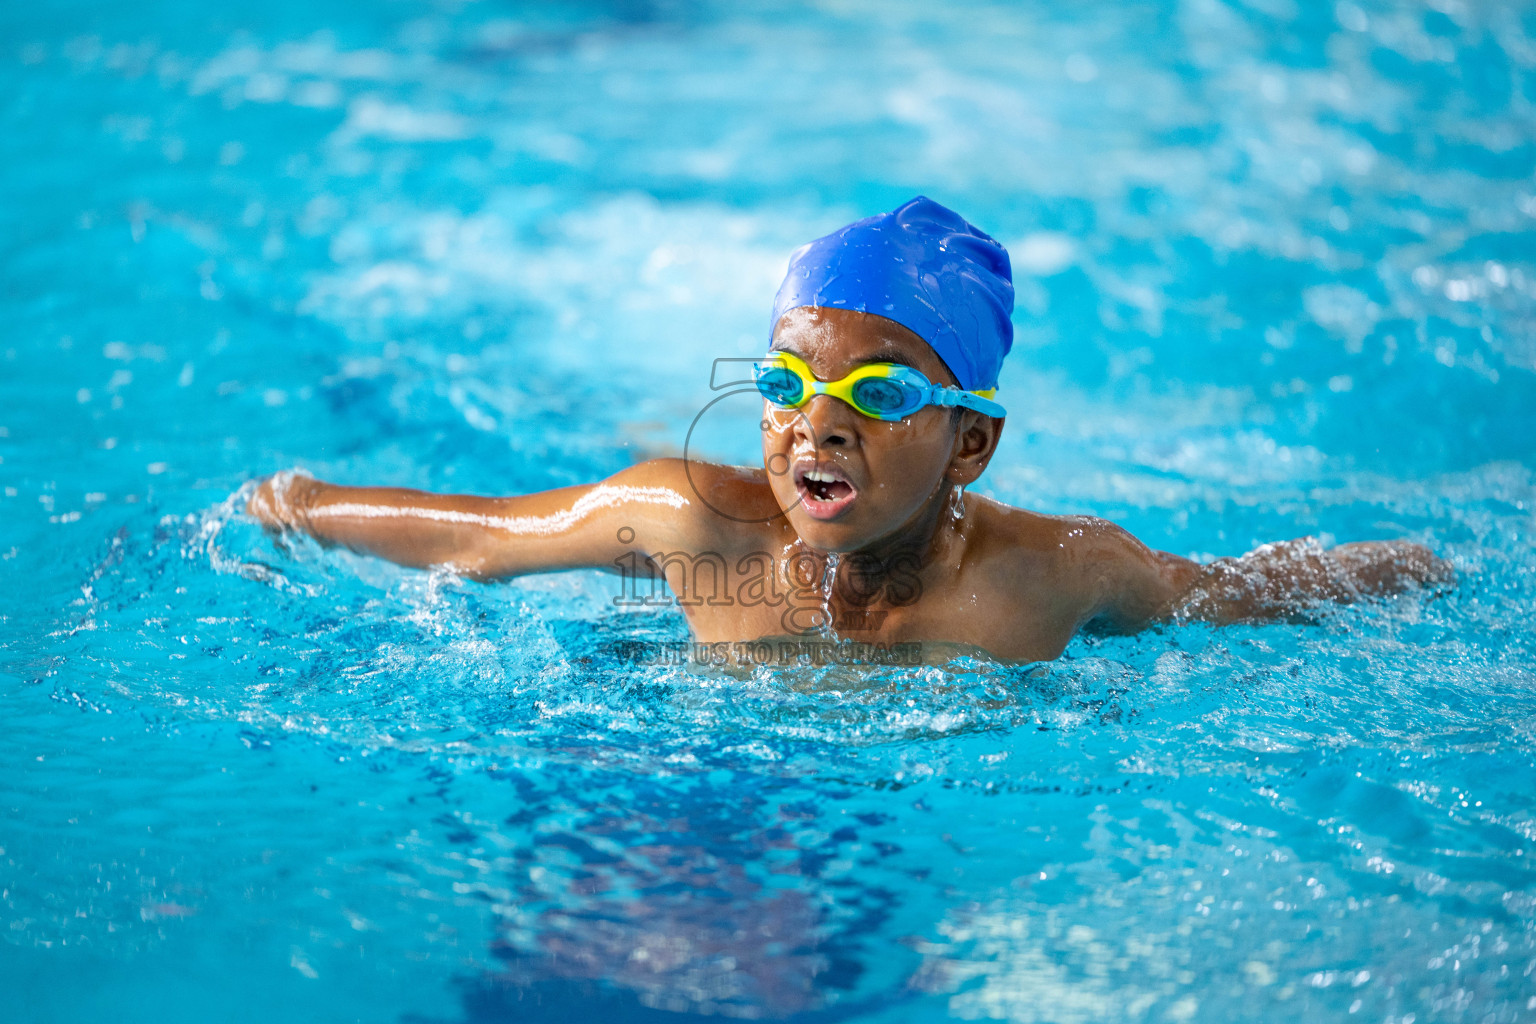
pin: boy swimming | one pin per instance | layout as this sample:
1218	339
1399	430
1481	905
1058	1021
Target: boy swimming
879	409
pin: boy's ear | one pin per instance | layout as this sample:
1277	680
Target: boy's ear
975	442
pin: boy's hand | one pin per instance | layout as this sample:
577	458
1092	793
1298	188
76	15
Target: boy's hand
1389	566
281	501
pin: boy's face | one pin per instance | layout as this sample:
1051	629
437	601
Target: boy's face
850	482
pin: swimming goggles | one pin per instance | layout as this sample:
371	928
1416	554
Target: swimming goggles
882	391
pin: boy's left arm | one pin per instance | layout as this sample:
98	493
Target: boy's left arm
1274	581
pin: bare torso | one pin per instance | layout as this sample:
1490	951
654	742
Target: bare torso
1015	584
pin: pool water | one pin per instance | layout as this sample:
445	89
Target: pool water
1275	277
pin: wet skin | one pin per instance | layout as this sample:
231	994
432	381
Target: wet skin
746	552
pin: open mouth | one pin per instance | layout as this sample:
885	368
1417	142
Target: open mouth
824	490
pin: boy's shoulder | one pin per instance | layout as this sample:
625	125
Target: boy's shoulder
1037	577
1069	552
1029	533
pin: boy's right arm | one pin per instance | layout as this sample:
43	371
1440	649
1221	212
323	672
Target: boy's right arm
647	507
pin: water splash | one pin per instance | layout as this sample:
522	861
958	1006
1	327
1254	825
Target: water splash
828	627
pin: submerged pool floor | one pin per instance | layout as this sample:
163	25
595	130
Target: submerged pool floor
1275	278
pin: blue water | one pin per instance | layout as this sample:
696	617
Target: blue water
1275	275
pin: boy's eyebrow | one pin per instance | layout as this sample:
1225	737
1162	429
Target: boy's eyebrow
891	355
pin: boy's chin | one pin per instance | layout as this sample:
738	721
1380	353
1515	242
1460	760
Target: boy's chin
828	536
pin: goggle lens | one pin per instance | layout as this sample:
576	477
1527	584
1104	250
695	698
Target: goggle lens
885	396
781	386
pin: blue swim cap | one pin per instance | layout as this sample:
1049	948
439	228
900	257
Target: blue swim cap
924	267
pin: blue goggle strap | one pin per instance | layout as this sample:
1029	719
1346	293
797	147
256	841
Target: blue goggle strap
939	395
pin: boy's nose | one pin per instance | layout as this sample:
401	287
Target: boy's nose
824	421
